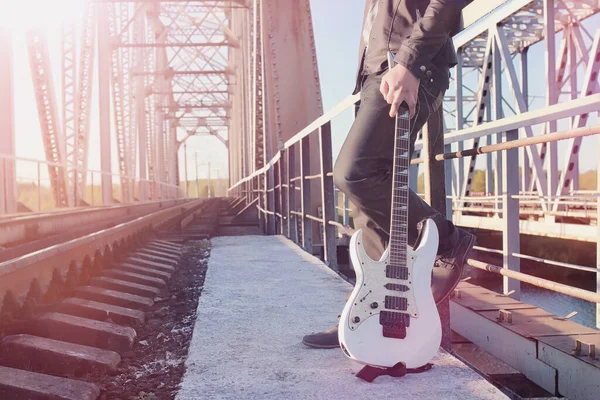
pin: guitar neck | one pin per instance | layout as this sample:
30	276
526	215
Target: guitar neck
400	184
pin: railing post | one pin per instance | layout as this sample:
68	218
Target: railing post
305	202
510	214
39	186
261	203
327	197
435	195
283	193
291	198
448	165
598	235
346	212
270	200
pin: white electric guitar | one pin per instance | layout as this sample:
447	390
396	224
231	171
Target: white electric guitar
391	316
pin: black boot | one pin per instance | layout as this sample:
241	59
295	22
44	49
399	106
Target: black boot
323	340
449	266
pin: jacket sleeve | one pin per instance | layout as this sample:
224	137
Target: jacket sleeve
430	33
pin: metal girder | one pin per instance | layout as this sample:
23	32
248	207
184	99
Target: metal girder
522	21
83	103
161	45
53	137
257	88
69	86
560	73
239	2
590	86
8	178
104	79
121	93
521	107
482	98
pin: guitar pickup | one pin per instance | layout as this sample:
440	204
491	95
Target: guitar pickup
396	272
396	303
397	287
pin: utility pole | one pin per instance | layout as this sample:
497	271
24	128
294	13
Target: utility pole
209	189
197	182
218	191
187	184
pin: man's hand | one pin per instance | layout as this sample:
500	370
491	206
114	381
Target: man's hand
398	85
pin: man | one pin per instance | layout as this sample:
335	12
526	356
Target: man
418	33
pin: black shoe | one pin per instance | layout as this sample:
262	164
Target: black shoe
323	340
449	266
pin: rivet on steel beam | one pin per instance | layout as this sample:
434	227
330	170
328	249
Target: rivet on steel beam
505	316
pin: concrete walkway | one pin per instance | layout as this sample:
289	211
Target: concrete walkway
261	295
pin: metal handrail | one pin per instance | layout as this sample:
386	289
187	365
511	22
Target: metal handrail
282	160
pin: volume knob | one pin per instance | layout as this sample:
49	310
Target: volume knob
374	305
356	320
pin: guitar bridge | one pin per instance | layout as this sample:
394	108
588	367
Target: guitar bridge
394	324
394	331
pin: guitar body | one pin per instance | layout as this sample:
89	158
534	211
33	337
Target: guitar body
361	332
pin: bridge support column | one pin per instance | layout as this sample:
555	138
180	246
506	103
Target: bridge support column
291	173
307	230
435	195
8	189
104	68
598	241
284	193
327	198
510	214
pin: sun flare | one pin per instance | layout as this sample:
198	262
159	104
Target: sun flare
23	15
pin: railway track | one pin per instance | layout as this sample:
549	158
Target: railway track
75	307
25	233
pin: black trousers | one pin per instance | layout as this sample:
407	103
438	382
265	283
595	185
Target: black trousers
363	169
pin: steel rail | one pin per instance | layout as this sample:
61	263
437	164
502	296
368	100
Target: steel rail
16	275
21	228
514	144
567	109
539	259
539	282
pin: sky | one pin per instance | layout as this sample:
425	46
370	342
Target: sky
336	25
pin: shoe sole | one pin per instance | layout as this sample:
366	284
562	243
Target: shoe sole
320	346
460	278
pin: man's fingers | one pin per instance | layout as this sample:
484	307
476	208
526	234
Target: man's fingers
391	96
384	87
395	104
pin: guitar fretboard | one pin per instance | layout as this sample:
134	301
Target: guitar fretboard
399	219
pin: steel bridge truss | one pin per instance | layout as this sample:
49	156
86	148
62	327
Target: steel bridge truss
495	48
165	74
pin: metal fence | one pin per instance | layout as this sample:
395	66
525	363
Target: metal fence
34	190
282	194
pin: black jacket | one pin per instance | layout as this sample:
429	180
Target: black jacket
419	33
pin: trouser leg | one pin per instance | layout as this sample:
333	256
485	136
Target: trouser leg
363	170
